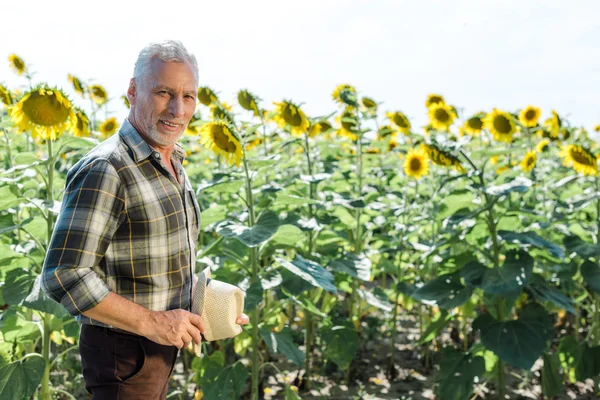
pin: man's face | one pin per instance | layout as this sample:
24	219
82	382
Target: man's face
163	102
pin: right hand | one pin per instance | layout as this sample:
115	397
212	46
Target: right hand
174	328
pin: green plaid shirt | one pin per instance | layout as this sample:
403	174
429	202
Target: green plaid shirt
127	226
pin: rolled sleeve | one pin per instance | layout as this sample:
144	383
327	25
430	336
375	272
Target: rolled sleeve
90	214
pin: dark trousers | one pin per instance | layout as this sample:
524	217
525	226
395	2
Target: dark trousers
124	366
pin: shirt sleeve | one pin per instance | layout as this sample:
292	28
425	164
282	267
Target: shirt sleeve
90	214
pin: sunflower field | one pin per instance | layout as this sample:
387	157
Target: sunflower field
455	261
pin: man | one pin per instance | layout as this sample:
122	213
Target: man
122	254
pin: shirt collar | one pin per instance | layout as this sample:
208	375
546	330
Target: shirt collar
140	148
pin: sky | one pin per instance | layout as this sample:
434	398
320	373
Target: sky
477	54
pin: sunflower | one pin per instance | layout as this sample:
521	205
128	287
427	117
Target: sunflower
248	101
125	101
221	111
543	146
434	99
45	112
17	64
552	125
219	137
369	105
319	127
400	120
348	124
81	128
441	116
528	162
494	159
597	128
416	163
192	128
392	144
474	125
206	95
109	127
254	143
529	116
345	94
580	158
386	131
98	94
442	157
501	124
78	86
5	96
290	114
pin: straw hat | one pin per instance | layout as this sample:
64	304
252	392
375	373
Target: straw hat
219	304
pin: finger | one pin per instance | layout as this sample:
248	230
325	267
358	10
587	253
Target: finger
242	320
196	320
186	338
195	333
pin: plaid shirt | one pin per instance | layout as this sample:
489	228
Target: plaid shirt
126	225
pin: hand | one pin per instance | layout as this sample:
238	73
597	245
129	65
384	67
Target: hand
242	320
174	328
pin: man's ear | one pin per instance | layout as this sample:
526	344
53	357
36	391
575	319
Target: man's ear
131	92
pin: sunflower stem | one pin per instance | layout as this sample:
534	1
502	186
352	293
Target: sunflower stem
50	192
45	385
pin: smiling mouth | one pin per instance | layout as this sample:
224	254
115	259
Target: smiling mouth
171	124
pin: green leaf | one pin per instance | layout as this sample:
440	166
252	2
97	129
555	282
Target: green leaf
288	235
458	372
17	285
435	327
353	265
473	273
544	292
228	384
446	291
38	300
290	394
511	277
231	187
213	214
16	328
25	158
310	271
20	379
8	199
579	361
574	244
519	184
376	298
519	342
552	381
283	343
527	239
265	227
288	199
590	272
342	344
254	296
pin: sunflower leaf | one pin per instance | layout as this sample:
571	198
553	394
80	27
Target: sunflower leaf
353	265
265	228
309	271
590	273
511	277
519	184
20	379
531	238
342	344
458	373
283	343
574	244
544	292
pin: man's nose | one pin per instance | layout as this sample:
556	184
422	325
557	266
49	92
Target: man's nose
176	107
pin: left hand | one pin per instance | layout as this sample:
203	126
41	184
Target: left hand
242	320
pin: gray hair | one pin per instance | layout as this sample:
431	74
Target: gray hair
167	51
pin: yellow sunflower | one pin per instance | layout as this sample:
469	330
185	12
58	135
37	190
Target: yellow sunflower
348	123
441	116
597	128
254	143
248	101
369	105
474	125
434	99
5	96
319	127
98	94
501	125
78	86
442	157
552	125
219	137
290	114
206	95
221	111
528	161
529	116
345	94
580	158
400	120
416	163
109	127
392	144
193	129
17	64
386	131
81	128
543	146
45	112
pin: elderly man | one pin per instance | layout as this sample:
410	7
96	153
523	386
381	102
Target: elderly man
122	254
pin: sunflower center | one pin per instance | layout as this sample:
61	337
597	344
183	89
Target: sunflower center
475	123
18	63
221	139
530	161
400	121
291	115
530	115
80	124
109	126
581	157
415	164
442	115
45	110
502	124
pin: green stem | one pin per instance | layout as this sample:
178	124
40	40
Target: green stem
50	191
45	389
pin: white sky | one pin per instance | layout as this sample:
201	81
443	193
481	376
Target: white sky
478	54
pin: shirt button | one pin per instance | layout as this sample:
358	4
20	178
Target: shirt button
157	154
